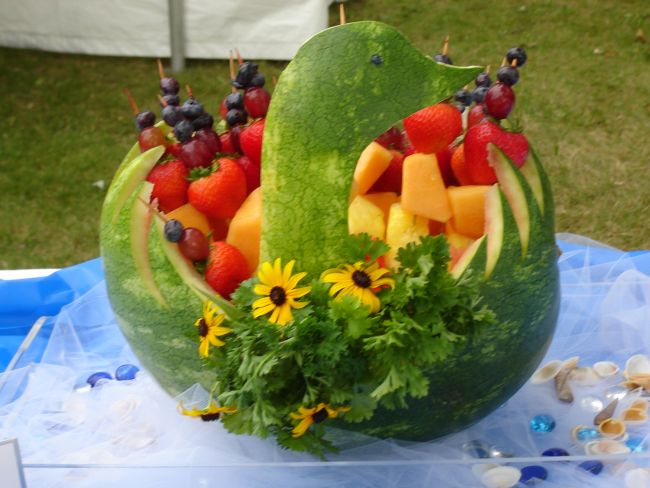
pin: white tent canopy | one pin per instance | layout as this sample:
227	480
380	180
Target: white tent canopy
260	29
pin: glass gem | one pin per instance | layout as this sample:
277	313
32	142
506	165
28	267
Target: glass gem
533	474
126	372
636	444
588	434
542	423
95	378
616	393
594	467
495	452
591	404
477	449
555	451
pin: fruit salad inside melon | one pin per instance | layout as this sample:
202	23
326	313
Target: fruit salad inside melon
451	295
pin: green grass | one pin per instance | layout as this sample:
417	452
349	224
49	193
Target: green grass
583	98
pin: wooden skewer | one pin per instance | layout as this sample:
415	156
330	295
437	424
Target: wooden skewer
134	105
445	46
341	13
274	80
487	69
503	62
232	71
163	102
154	209
240	60
161	70
514	63
189	91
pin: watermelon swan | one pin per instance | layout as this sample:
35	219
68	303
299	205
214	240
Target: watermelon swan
344	87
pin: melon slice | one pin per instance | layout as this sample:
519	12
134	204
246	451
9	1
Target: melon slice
423	189
373	161
468	209
403	227
365	216
191	217
245	228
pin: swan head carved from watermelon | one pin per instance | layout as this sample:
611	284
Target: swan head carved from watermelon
344	87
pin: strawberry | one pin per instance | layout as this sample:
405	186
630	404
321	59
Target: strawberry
476	115
433	128
444	163
173	148
252	171
226	144
250	141
218	229
391	139
391	179
459	167
169	184
220	194
226	268
477	138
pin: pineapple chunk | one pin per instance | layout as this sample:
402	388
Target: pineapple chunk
365	216
403	227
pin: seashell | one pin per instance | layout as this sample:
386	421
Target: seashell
635	416
585	376
605	369
640	404
637	478
562	388
639	381
606	446
637	365
606	412
612	428
480	469
501	477
547	372
123	409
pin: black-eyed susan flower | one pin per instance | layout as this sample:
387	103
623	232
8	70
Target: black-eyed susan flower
315	415
359	280
279	291
210	329
207	414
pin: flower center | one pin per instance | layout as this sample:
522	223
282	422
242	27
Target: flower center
319	416
203	328
277	295
361	279
210	417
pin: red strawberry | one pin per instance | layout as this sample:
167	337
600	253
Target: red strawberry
174	148
514	145
391	179
391	139
476	115
220	194
250	141
252	171
218	229
444	163
226	144
433	128
223	110
226	268
169	184
459	167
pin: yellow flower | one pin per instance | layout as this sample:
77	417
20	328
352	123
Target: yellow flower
359	280
278	289
210	328
315	415
211	412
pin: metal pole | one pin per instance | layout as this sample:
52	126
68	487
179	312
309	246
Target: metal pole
177	35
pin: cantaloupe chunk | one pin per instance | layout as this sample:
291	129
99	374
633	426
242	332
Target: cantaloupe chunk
245	228
403	227
468	209
190	217
365	216
383	200
458	243
372	163
423	189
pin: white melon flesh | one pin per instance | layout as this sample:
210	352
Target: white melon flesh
462	263
529	170
494	228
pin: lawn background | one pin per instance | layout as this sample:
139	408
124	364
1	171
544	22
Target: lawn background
583	98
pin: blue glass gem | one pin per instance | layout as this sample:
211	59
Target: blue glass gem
533	474
555	451
636	444
126	372
594	467
477	449
95	378
588	434
542	423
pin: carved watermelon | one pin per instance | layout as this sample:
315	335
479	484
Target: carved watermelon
346	86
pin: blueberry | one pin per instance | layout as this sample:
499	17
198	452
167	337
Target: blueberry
518	53
483	79
183	130
173	230
169	85
172	115
464	97
203	121
245	74
171	99
192	108
236	116
376	59
442	58
235	100
478	95
258	79
508	75
144	120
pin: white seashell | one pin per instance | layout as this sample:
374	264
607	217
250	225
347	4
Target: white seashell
547	372
637	478
606	446
480	468
501	477
605	369
637	365
585	376
123	409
